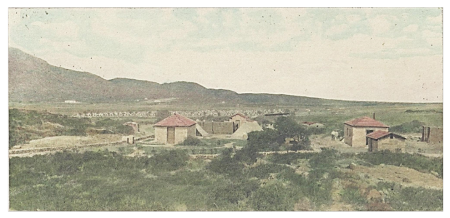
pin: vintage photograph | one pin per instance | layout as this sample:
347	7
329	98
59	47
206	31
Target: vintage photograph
225	109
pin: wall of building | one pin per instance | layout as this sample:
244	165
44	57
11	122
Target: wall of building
394	144
238	118
191	131
180	134
432	134
348	134
359	135
217	127
129	139
161	134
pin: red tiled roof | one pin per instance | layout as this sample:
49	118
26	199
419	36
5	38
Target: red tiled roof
176	120
365	122
381	134
377	134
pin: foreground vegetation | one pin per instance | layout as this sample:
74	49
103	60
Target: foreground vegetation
241	180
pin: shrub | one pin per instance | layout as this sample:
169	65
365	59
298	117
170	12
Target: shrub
418	199
225	164
352	195
289	158
268	139
415	161
232	193
414	126
169	160
272	197
192	141
248	155
325	159
262	171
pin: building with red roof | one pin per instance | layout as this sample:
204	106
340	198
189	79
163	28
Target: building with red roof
355	130
382	140
174	129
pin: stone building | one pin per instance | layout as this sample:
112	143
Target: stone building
174	129
432	134
129	139
355	131
382	140
239	119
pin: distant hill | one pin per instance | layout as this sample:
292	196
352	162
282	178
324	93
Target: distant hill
34	80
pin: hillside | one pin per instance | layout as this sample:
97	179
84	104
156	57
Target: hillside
34	80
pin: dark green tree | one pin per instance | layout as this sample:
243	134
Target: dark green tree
289	128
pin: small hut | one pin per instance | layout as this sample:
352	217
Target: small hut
381	140
174	129
239	119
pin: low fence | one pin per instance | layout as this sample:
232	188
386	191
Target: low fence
48	149
190	151
265	153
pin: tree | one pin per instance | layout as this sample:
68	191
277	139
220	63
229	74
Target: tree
272	139
289	128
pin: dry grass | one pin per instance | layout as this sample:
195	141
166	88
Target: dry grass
402	175
71	141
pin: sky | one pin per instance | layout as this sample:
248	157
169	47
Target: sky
367	54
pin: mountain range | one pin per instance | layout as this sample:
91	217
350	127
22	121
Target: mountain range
32	79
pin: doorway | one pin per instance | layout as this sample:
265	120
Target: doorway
171	135
367	133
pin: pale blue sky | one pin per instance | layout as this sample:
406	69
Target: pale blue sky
378	54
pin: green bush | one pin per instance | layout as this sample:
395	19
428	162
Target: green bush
414	126
417	199
262	171
226	164
411	198
272	197
265	140
232	193
353	196
415	161
273	139
169	160
192	141
325	159
289	158
247	155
